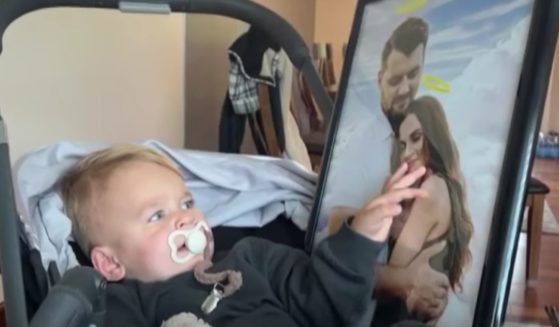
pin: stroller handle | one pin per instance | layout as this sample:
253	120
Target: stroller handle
244	10
257	15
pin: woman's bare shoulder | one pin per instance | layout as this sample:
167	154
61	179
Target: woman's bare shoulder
439	203
435	185
438	199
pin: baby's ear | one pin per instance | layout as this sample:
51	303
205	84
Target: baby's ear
107	264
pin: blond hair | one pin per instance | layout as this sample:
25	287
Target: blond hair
78	185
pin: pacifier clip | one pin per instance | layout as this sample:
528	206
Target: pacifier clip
210	303
234	281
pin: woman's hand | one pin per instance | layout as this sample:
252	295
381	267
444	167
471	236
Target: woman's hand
375	218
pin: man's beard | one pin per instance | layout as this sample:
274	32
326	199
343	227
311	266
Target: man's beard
395	114
395	119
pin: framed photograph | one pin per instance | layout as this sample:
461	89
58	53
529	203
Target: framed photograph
437	83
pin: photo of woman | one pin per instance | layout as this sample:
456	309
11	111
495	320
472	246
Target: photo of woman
424	140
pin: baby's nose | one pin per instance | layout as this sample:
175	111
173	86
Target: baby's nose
184	220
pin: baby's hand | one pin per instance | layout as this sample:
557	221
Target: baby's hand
375	218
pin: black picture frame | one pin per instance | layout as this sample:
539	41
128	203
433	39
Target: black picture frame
491	304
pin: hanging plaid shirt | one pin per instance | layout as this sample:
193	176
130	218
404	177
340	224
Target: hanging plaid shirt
243	90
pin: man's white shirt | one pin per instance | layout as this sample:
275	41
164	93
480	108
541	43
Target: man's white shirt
360	162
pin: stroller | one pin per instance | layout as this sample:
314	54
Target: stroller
33	295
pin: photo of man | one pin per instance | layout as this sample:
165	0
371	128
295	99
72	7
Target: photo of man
393	118
403	57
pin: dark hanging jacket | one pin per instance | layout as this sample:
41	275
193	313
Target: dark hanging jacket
241	102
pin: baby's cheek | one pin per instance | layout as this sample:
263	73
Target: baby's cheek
152	251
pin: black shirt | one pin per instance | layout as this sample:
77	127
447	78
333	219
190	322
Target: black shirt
282	286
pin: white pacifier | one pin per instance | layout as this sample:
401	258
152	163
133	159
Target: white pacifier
194	243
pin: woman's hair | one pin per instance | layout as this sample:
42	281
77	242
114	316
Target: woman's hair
441	157
81	183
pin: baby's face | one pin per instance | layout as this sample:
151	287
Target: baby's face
140	205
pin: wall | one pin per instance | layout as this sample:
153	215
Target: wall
207	39
92	75
333	25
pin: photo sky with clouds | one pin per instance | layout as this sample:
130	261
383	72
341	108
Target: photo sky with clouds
460	30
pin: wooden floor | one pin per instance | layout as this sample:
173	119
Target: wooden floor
527	302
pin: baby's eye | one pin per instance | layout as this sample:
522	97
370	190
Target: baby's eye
156	216
187	204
